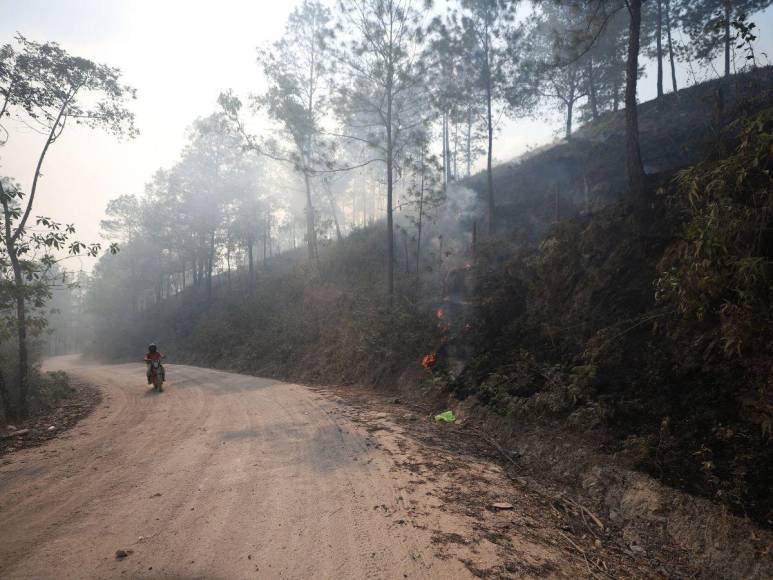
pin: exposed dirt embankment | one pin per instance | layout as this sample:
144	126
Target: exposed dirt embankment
59	404
639	514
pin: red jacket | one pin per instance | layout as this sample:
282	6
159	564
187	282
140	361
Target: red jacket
153	355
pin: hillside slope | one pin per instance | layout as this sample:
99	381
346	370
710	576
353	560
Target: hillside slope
585	174
645	337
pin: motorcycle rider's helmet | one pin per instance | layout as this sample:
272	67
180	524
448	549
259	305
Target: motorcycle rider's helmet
152	347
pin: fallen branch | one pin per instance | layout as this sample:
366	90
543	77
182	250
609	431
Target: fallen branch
498	447
18	433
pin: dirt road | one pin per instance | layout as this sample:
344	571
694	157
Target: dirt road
230	476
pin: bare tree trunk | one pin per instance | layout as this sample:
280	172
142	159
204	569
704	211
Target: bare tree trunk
21	332
21	409
592	97
444	153
727	37
454	170
390	225
405	249
633	150
269	223
228	265
311	232
670	45
210	264
492	228
334	211
365	205
354	208
5	397
448	175
421	217
469	140
659	46
251	259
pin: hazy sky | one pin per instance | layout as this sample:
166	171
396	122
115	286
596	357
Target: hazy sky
179	55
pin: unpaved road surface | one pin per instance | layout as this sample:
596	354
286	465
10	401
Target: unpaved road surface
230	476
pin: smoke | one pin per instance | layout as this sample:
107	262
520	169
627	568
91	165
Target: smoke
453	226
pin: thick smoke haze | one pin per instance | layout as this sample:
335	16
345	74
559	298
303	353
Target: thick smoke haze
179	55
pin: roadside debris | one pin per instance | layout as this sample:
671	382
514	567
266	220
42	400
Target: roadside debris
19	433
447	416
122	554
52	422
502	505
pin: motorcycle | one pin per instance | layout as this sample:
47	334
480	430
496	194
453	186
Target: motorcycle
156	375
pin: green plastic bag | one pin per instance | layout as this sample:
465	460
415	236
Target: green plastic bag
447	416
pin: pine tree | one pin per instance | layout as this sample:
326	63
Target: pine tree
709	25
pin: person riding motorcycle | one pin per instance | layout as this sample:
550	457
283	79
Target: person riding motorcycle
150	356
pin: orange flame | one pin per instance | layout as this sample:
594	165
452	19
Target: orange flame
429	360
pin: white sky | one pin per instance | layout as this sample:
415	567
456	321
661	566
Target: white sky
179	55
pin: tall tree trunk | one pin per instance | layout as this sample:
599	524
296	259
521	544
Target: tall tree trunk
251	259
670	46
311	231
405	251
354	207
449	174
492	228
21	334
228	265
659	46
635	168
727	37
5	397
210	264
570	102
454	170
20	409
269	223
420	219
592	96
444	152
334	212
469	140
390	225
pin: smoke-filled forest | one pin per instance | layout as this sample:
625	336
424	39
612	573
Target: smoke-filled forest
558	364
